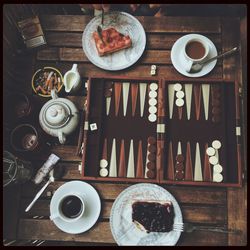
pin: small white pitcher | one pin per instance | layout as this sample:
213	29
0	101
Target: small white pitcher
72	79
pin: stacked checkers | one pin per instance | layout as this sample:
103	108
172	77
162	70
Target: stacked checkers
152	101
216	103
212	152
179	95
151	157
179	167
153	70
103	168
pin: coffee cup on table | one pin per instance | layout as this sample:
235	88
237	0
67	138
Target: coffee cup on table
25	138
195	51
69	208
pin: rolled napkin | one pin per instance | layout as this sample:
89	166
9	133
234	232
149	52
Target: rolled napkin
46	168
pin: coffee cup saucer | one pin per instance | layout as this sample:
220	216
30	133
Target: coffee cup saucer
178	59
92	206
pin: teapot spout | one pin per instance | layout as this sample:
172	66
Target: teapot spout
74	68
54	94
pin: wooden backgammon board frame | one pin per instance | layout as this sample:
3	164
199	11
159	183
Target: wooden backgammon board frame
164	171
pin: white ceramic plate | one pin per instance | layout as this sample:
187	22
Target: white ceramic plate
127	25
123	229
92	206
178	59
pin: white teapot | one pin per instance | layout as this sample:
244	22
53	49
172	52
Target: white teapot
59	117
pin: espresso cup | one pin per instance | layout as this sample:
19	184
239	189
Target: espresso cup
69	208
195	51
18	106
25	138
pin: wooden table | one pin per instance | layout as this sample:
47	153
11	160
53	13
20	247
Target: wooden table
220	207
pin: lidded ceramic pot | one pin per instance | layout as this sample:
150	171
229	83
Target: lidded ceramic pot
59	117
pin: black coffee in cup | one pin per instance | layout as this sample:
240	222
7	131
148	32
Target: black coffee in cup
71	206
195	50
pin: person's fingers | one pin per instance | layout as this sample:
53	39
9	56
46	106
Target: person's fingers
106	7
86	6
160	13
134	7
154	6
97	6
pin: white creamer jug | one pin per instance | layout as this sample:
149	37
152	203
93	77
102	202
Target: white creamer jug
72	79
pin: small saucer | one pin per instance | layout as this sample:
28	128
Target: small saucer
92	207
178	58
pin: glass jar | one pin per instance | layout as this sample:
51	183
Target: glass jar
15	170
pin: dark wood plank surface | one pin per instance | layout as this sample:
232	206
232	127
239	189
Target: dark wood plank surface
76	23
200	205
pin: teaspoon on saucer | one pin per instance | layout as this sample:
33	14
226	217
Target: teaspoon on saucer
196	67
51	179
53	175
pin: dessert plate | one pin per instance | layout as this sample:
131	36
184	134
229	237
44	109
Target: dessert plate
178	59
124	230
92	207
127	25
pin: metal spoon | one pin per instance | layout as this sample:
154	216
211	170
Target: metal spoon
51	179
198	66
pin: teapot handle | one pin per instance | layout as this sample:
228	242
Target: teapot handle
61	137
54	94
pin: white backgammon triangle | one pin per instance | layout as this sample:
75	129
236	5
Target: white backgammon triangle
131	161
217	154
205	95
113	163
171	99
125	91
197	165
179	148
143	89
108	100
147	160
188	95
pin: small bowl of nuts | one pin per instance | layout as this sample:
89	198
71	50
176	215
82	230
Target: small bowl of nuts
46	79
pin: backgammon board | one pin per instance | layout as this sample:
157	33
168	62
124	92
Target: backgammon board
162	131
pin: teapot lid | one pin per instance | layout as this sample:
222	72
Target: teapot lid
57	114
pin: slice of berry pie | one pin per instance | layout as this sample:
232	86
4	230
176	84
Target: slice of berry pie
153	216
111	41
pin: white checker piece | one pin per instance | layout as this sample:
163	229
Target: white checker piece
177	87
152	94
103	172
210	151
216	144
213	160
152	117
153	86
218	168
103	163
152	110
217	177
180	94
179	102
152	101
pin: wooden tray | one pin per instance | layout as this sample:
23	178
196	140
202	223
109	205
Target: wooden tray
123	138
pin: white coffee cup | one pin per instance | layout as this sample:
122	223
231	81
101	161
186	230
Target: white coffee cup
65	201
195	50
